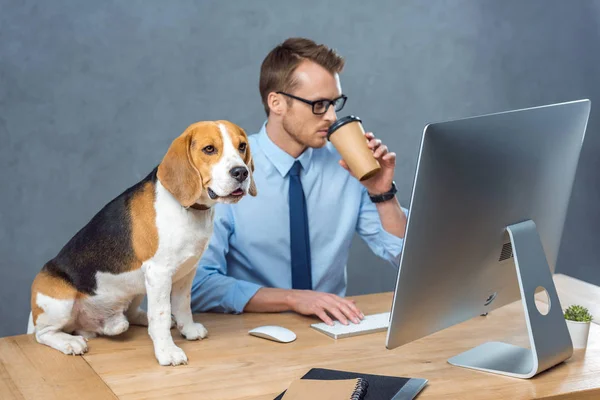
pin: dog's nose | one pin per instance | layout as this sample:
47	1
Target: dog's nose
239	173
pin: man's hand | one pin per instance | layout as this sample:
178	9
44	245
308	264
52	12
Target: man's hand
309	302
382	181
306	302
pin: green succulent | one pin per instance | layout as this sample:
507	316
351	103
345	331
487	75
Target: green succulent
578	313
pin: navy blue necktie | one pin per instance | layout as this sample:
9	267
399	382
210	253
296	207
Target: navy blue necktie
299	239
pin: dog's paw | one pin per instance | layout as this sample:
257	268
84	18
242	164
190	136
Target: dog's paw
115	326
194	331
86	334
75	345
172	355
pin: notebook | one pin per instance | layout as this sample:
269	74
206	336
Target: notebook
380	387
313	389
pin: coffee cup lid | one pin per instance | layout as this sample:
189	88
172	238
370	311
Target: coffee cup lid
341	122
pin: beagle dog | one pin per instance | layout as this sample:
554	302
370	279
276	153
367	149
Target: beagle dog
147	241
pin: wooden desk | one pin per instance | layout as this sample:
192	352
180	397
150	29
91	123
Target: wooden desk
230	364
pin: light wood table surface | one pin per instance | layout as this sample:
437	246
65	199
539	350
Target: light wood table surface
230	364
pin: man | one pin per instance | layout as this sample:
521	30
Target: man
287	248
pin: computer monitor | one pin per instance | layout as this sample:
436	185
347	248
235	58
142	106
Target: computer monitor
488	205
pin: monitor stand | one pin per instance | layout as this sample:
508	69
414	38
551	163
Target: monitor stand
548	334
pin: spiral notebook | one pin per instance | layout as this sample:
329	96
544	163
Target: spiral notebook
313	389
379	387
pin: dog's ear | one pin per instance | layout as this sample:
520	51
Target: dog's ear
250	163
178	173
252	189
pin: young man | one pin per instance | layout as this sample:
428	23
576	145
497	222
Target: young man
287	248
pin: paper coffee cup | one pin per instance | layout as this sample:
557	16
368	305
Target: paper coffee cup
348	137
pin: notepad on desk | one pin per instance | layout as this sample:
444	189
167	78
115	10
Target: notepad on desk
377	387
316	389
370	324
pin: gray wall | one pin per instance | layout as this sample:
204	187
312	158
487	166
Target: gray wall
92	93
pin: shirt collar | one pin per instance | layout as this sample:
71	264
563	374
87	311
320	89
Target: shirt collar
280	159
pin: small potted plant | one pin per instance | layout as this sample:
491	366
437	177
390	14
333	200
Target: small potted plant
578	322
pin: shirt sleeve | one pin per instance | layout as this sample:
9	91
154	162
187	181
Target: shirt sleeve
212	289
370	229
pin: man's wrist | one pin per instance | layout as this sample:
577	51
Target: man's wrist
289	299
385	196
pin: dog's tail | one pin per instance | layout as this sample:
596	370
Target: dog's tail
30	327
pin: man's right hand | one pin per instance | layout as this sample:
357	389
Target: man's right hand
305	302
324	305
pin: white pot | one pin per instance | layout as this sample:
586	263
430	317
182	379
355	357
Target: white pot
579	332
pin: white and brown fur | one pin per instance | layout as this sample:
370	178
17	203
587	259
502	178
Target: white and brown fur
147	241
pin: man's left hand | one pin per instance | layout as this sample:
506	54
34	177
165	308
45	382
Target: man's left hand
382	181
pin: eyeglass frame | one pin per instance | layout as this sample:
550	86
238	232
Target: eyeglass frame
313	102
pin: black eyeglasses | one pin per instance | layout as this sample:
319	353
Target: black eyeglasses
320	107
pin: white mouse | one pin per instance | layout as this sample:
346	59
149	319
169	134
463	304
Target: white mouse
275	333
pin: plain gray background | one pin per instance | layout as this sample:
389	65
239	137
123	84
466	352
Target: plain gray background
92	93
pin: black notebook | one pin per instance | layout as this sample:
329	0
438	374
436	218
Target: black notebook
380	387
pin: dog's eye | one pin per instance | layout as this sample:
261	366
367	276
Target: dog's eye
242	147
209	149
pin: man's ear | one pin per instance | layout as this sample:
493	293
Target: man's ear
276	103
178	173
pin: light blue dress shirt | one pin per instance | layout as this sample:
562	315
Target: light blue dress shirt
250	246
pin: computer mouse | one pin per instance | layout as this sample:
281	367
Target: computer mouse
274	333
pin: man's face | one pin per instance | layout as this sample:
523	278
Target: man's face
299	121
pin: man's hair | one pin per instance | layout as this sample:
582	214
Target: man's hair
277	69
